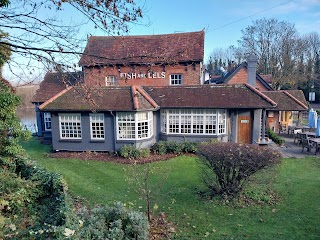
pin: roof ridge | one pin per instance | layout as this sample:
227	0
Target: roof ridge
149	35
261	94
295	99
54	97
147	96
134	97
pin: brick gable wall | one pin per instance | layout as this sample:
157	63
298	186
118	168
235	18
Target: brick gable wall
156	76
241	77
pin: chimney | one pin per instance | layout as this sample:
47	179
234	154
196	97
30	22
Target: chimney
252	62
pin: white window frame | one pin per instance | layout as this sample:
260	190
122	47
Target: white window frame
193	121
47	121
176	79
97	126
111	80
70	126
134	125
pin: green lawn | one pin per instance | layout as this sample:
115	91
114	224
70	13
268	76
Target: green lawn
176	184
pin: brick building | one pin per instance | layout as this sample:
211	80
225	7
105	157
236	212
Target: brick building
149	88
153	60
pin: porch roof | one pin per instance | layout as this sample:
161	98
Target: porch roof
288	100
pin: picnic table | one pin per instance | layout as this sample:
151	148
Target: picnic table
316	143
303	128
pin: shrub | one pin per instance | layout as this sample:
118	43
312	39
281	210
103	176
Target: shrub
174	147
165	147
35	196
190	147
274	137
114	222
130	151
144	152
159	148
227	166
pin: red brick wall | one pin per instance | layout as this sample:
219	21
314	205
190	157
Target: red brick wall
161	77
273	122
242	77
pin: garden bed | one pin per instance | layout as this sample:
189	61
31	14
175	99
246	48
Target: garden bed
111	157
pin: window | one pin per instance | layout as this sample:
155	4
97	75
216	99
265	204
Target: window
97	126
47	121
132	125
176	79
111	80
270	114
70	126
193	121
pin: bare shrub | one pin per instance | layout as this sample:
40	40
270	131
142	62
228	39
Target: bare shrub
227	166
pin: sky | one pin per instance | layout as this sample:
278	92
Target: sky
221	20
224	20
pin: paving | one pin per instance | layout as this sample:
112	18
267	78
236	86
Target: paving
293	150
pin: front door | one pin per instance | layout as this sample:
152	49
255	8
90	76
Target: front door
244	129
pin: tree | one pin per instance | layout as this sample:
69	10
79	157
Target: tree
274	43
4	3
10	129
221	57
39	34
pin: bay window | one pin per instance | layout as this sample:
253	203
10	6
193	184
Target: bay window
134	125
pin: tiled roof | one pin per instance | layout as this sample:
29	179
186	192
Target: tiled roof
147	49
267	77
151	98
54	83
85	98
288	100
208	96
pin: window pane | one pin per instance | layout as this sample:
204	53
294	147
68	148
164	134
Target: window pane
176	79
97	126
134	125
193	121
197	124
111	80
70	126
47	121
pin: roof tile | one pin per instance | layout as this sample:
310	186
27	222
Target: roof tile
288	100
147	49
151	98
55	82
86	98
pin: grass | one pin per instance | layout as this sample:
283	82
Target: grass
296	182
